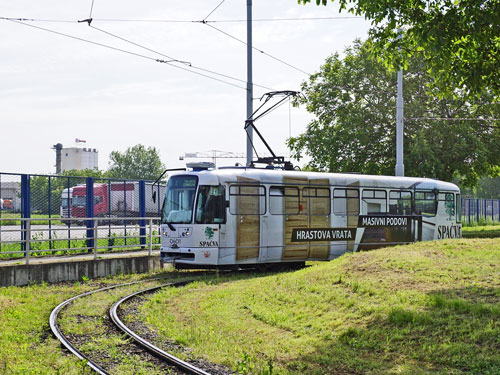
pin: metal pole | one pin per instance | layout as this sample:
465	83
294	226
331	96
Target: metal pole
249	83
142	213
150	247
28	239
400	168
89	212
96	225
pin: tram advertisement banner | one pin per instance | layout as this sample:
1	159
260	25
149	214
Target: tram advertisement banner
367	221
323	234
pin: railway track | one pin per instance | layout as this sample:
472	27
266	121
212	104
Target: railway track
161	360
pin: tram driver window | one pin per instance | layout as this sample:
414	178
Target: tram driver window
210	205
400	202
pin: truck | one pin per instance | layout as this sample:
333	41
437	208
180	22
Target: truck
114	200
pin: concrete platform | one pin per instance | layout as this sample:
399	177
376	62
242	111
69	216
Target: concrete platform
73	268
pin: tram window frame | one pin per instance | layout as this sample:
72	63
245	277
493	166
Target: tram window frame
421	199
218	205
345	196
285	190
307	194
396	195
458	208
448	197
366	199
233	196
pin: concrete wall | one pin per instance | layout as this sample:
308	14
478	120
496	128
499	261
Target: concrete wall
18	275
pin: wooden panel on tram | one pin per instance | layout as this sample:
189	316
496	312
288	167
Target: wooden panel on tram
297	219
247	196
319	201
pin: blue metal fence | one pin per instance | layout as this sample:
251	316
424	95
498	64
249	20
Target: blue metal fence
70	201
476	209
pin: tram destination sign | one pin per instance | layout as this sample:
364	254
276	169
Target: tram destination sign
383	221
323	234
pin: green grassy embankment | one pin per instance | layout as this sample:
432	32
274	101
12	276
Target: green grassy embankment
427	308
486	231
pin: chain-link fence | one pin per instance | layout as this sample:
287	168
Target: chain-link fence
55	214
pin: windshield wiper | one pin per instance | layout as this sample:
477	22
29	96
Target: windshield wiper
172	228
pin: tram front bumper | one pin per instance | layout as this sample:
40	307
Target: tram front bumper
206	256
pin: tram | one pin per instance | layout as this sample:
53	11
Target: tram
239	217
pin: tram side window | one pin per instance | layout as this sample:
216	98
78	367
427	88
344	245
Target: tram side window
318	200
448	202
346	201
400	202
210	205
459	208
247	199
425	203
374	201
284	200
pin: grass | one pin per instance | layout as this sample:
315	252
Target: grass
10	219
488	231
26	342
428	308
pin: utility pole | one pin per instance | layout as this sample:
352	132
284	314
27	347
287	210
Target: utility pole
249	83
400	168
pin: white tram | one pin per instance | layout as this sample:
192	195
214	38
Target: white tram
241	217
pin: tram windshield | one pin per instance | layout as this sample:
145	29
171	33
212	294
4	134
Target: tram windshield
179	201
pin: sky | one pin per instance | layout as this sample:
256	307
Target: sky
55	89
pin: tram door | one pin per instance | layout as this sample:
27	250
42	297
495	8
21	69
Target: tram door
249	198
317	195
297	219
346	213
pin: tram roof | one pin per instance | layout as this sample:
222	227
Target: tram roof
263	175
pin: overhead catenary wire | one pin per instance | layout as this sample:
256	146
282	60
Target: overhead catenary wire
174	60
217	7
479	120
255	48
193	21
91	9
170	63
126	52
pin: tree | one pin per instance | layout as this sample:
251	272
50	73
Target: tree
459	40
137	162
354	101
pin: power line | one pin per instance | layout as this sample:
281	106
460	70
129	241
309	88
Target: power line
91	9
209	14
20	19
174	60
125	51
171	60
489	126
197	21
259	50
453	118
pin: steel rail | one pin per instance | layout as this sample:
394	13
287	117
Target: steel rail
185	366
60	336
